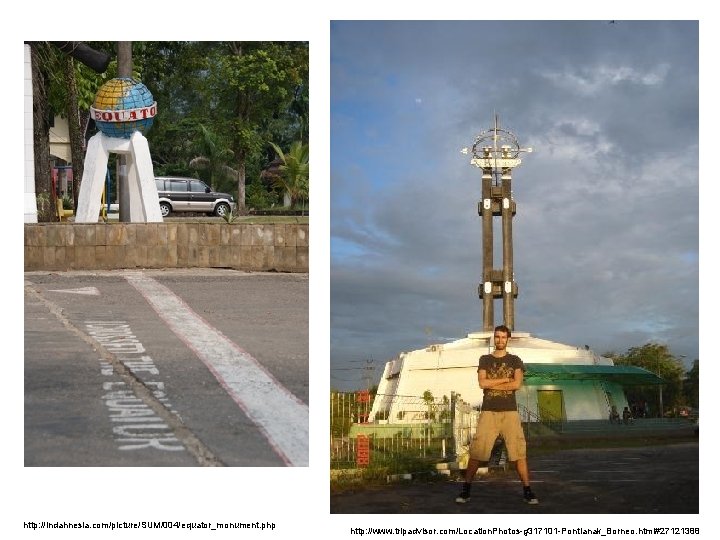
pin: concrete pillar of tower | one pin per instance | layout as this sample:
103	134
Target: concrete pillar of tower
507	273
487	228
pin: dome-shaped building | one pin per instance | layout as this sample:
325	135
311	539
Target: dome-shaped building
561	382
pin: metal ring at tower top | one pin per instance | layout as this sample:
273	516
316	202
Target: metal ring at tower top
496	143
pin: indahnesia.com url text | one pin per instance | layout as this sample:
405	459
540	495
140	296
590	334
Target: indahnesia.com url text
113	525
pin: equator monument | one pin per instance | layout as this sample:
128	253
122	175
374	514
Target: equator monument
562	382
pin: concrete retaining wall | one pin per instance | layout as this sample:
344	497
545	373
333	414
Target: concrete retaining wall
106	246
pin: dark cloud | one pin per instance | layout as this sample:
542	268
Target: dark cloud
606	234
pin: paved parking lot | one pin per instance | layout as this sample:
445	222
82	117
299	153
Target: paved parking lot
644	480
166	368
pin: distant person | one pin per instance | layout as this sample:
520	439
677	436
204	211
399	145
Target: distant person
627	416
500	374
614	415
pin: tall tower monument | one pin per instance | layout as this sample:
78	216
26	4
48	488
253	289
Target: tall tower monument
496	151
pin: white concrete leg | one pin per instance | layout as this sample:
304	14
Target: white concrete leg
93	181
136	210
143	196
145	179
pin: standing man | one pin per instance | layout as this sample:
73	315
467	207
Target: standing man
500	374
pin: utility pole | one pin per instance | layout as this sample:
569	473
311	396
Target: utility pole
369	368
125	68
662	413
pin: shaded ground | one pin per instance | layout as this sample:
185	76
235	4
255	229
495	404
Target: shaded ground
642	480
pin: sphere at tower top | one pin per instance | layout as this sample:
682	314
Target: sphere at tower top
123	106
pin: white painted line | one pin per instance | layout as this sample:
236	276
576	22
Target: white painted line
278	414
92	291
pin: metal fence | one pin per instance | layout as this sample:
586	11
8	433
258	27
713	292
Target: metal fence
408	433
429	430
465	419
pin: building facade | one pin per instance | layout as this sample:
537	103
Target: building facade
561	382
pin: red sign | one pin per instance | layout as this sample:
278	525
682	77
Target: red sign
363	396
126	115
363	451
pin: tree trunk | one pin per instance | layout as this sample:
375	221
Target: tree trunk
241	114
241	185
84	118
125	66
76	133
46	199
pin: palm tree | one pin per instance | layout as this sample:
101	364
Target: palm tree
213	157
294	172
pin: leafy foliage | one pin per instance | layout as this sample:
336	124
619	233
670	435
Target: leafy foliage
294	172
255	85
691	385
213	157
658	359
256	196
216	100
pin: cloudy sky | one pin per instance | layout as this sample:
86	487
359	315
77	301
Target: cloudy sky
606	231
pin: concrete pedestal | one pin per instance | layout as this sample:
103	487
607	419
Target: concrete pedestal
144	207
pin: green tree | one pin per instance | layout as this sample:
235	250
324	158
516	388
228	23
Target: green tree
72	89
176	74
294	172
213	157
42	58
658	359
253	84
691	385
244	93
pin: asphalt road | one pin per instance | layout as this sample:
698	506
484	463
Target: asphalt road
166	368
644	480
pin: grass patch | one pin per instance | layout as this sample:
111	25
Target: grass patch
272	219
240	219
112	218
381	473
375	478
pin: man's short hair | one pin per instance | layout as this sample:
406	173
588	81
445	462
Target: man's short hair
503	328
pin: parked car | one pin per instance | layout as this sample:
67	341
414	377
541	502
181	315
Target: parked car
191	195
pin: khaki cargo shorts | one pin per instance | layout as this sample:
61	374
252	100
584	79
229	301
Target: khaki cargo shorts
490	425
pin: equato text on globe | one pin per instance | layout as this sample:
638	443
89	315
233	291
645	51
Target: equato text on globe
123	106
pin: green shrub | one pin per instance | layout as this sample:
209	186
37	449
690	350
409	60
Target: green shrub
257	197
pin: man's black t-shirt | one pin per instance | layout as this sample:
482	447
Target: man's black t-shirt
499	368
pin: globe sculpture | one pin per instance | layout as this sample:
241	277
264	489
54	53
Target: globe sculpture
123	106
123	110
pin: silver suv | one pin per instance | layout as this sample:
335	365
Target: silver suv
191	195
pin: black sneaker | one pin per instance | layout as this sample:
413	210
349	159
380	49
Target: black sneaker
530	497
464	495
